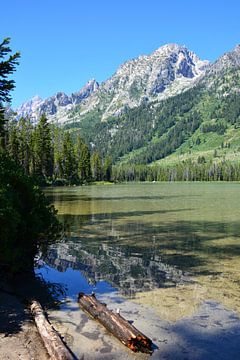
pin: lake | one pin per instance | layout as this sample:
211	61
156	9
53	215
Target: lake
170	248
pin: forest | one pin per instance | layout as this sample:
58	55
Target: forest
87	152
53	156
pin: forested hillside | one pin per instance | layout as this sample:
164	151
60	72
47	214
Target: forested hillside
197	128
203	121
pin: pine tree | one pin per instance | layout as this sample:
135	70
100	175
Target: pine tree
57	134
68	160
43	149
83	161
27	220
13	141
96	165
107	169
7	67
24	136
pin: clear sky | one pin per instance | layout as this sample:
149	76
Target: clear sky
64	43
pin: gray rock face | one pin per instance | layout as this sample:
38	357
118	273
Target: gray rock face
29	107
167	71
56	104
228	60
62	99
85	92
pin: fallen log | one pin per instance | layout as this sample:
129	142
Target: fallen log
116	324
56	349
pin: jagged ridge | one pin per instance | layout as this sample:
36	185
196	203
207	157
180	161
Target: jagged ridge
56	106
167	71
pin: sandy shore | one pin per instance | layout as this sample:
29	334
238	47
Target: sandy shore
19	338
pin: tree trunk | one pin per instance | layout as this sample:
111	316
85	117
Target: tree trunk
57	350
116	324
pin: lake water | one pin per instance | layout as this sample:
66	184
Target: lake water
170	247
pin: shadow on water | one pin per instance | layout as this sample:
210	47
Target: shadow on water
179	235
100	217
221	343
58	197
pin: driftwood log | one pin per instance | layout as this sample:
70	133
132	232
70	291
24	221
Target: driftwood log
116	324
52	341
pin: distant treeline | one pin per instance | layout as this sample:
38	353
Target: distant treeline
59	157
185	171
52	155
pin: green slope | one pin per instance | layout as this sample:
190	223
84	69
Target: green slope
200	124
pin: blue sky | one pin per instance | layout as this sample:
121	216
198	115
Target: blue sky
64	43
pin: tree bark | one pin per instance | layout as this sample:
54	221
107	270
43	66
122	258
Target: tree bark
56	349
116	324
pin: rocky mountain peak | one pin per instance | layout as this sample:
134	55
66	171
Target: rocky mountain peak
29	106
166	72
237	48
59	103
169	48
91	86
228	60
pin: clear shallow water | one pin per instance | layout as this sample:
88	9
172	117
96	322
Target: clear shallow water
172	248
138	238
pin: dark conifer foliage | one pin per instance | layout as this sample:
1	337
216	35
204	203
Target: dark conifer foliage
8	64
27	221
50	154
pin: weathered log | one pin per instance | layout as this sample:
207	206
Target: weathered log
52	341
116	324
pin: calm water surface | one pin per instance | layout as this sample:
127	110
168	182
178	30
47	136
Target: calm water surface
138	238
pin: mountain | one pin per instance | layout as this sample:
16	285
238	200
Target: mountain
169	70
208	123
56	106
168	107
203	121
228	60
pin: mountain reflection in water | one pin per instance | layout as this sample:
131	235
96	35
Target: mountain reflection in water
141	237
123	268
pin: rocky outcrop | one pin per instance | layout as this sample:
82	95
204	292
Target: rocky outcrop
56	106
228	60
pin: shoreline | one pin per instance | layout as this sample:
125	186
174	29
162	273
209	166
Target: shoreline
212	331
19	338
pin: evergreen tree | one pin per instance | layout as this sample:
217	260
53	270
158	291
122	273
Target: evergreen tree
83	161
68	160
13	143
96	165
57	134
25	140
43	149
107	169
27	221
7	67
